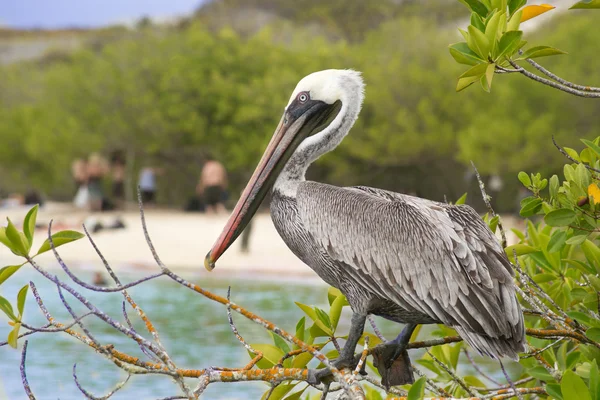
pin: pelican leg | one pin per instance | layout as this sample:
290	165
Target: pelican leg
347	359
392	361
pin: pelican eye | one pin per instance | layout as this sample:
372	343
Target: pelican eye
303	97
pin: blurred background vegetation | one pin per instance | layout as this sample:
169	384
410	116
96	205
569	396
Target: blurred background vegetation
216	83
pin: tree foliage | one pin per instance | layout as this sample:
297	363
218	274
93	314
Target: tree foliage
170	96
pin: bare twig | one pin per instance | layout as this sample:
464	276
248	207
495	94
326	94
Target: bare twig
553	84
91	396
24	374
564	153
559	79
456	378
375	329
486	199
510	381
474	364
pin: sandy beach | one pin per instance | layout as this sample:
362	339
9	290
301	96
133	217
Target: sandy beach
181	240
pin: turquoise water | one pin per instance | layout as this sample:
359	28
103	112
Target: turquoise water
194	330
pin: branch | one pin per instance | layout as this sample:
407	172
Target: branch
486	199
91	396
553	84
564	153
26	386
559	79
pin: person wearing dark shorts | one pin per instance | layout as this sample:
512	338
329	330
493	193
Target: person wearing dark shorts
213	195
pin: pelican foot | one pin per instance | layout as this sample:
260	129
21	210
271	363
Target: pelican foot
392	361
324	375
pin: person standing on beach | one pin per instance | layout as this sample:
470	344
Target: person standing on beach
147	185
118	179
96	170
212	186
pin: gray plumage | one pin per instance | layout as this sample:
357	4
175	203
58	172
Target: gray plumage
406	259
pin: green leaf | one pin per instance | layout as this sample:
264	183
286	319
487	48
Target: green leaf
4	239
554	184
557	241
540	373
21	299
271	354
29	224
515	21
14	335
6	307
540	51
462	54
530	206
417	390
19	246
279	391
6	272
470	76
586	4
332	294
594	380
572	153
593	334
573	387
478	42
491	30
300	328
584	319
553	390
336	310
521	249
577	239
477	22
591	251
593	146
514	5
476	6
494	223
462	199
296	395
60	238
487	78
323	317
302	360
312	314
561	217
524	178
280	343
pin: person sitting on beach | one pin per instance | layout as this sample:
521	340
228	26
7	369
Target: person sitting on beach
212	186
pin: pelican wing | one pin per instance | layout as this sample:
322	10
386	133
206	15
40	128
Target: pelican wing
439	259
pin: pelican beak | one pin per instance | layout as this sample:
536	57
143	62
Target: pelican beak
296	124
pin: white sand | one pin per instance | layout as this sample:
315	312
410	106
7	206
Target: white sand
181	240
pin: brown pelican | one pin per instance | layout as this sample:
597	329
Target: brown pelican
404	258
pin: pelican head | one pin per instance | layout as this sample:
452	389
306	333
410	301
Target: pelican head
321	111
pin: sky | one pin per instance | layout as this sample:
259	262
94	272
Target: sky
51	14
